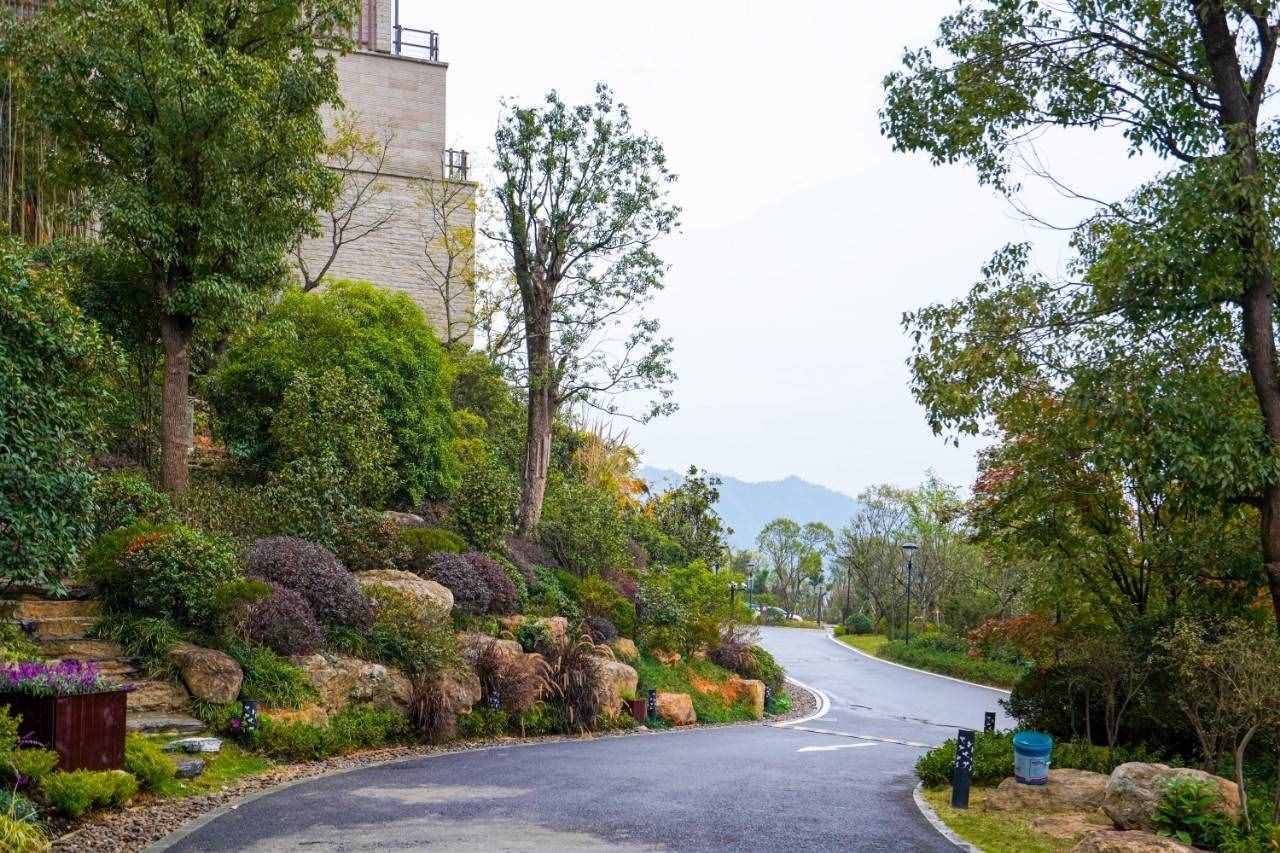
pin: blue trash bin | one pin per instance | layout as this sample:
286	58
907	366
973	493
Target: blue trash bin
1031	755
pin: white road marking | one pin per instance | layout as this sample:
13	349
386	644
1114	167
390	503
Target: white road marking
833	748
864	737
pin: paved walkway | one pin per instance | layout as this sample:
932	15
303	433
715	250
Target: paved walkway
839	783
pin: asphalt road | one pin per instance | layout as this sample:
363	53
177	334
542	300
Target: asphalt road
842	782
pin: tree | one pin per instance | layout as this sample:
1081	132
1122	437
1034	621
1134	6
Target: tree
794	554
1184	269
583	199
446	216
868	548
359	158
194	132
687	513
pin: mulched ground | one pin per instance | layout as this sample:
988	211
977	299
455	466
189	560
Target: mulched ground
150	819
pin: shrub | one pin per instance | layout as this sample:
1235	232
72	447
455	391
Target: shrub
371	335
517	681
367	541
517	580
992	760
542	719
72	793
15	645
949	656
283	622
483	723
423	542
762	666
292	740
576	677
17	807
48	354
735	650
1188	811
21	836
148	638
123	498
315	573
431	710
503	597
532	635
485	501
859	623
167	571
417	638
470	591
269	678
597	597
548	598
148	764
31	766
366	727
583	527
600	629
336	415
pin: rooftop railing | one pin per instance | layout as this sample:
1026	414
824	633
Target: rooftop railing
419	44
456	166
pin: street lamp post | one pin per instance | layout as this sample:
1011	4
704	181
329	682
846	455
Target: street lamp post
909	549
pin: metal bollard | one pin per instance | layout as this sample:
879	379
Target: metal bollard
963	770
989	723
653	704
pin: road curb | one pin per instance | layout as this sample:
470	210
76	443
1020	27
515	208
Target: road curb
850	648
936	822
824	705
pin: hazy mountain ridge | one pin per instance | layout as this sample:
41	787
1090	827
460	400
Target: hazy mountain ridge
748	507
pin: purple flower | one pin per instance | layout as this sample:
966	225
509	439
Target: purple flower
64	678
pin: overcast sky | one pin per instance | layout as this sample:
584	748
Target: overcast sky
805	236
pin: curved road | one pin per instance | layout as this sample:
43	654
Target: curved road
839	782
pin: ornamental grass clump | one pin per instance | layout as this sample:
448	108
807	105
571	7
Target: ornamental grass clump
316	574
65	678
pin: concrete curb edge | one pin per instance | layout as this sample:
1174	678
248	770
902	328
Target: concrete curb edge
936	822
850	648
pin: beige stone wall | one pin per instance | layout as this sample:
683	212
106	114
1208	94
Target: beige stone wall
405	99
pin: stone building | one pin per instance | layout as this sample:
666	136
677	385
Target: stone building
422	212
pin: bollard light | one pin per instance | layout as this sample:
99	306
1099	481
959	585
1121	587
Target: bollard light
249	719
989	723
653	705
963	769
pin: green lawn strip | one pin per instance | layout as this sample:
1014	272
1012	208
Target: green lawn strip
954	664
220	768
710	707
993	832
869	643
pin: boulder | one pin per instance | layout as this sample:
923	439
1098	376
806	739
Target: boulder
625	649
618	680
312	715
748	689
1118	841
1070	826
1135	789
342	680
419	590
474	645
677	708
194	744
464	691
208	675
189	769
404	519
1067	791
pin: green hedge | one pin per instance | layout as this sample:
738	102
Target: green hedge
938	654
993	759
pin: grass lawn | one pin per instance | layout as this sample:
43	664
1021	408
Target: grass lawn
869	643
220	768
792	623
994	832
700	679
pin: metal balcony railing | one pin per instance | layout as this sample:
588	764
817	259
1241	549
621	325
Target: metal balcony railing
456	166
419	44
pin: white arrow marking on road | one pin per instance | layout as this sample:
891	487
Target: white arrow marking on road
832	748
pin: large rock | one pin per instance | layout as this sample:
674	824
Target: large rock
341	681
1117	841
1135	789
749	689
677	708
474	645
464	691
625	649
618	680
404	519
419	590
1067	791
208	675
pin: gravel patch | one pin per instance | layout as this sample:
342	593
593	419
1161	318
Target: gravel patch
803	703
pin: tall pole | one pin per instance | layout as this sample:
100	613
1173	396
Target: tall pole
908	598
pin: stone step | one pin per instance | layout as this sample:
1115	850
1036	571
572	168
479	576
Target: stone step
157	723
30	608
123	670
59	627
163	697
95	650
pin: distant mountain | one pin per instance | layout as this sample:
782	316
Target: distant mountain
748	507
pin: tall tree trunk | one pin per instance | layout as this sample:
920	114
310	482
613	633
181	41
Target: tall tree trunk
542	403
175	415
1238	116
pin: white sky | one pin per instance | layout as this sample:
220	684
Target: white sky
805	237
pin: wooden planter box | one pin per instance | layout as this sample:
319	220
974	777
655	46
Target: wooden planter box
86	731
639	709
